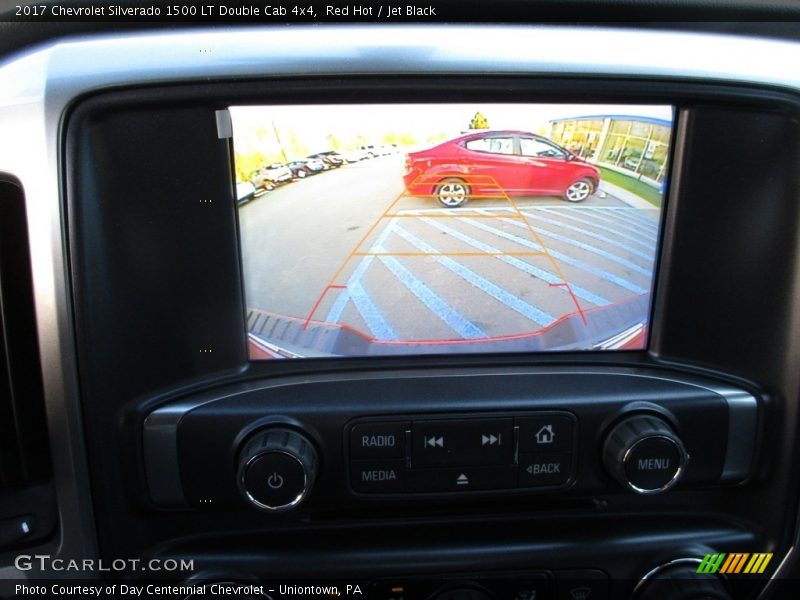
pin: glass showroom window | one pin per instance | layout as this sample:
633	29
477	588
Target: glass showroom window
637	147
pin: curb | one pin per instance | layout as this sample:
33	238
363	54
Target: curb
625	196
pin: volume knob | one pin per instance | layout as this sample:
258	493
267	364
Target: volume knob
644	454
277	468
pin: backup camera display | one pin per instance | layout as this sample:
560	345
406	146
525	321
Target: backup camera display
371	230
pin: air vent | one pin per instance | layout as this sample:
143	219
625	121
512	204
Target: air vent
24	453
27	509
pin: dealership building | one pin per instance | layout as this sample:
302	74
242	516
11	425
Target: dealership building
634	145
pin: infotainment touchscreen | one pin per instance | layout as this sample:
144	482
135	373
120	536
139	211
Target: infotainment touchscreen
407	229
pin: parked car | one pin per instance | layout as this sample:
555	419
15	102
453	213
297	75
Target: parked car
299	169
492	163
316	164
631	163
354	156
370	151
269	177
331	158
245	191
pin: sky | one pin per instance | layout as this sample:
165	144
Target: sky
369	123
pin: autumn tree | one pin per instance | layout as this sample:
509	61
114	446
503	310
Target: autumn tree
479	121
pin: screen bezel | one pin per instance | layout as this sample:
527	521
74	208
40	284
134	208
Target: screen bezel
686	97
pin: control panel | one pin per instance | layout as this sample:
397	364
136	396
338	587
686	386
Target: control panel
463	453
416	439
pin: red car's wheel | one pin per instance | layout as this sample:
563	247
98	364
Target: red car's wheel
452	192
579	191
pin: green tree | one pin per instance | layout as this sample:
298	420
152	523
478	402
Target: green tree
335	142
295	148
247	163
479	121
407	139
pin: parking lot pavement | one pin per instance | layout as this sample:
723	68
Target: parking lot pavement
347	247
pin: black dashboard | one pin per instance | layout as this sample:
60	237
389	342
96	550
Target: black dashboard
171	435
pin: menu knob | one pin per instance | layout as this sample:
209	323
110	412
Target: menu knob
644	454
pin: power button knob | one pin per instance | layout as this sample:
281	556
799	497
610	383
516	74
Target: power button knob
277	468
644	454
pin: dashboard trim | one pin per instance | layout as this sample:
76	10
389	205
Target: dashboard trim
89	63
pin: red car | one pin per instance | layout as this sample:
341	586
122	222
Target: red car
492	164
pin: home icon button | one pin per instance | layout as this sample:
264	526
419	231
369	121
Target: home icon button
546	432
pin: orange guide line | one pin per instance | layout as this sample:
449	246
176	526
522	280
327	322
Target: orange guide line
456	341
469	179
349	256
551	259
447	254
316	306
454	216
495	196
